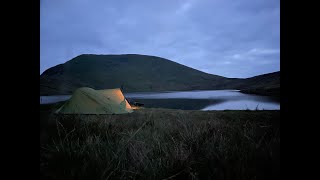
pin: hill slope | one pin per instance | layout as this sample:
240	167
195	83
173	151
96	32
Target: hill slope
133	73
266	84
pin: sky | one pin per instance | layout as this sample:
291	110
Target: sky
231	38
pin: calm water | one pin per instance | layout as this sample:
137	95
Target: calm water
193	100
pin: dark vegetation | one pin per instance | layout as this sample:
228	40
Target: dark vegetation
160	144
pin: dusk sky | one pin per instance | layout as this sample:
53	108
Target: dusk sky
231	38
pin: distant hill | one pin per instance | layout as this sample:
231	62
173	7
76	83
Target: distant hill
137	73
266	84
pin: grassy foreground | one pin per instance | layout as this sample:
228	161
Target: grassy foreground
162	144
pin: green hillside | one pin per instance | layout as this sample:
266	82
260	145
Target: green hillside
133	73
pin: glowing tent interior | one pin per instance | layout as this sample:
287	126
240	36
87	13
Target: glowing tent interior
89	101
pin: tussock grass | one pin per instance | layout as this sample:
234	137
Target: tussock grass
163	144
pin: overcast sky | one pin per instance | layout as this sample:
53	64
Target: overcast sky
232	38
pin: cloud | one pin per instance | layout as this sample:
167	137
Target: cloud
229	38
256	51
185	7
254	54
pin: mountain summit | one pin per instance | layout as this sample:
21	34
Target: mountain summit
132	73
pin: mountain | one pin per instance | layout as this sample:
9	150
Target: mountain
266	84
134	73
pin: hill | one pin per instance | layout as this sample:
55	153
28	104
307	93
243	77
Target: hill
266	84
135	73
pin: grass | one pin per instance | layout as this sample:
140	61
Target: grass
162	144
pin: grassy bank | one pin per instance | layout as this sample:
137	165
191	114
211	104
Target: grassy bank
274	92
161	144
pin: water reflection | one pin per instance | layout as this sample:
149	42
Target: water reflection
194	100
243	105
53	99
206	100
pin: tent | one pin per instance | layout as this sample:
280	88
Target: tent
89	101
116	96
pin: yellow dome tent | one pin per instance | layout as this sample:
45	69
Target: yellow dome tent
89	101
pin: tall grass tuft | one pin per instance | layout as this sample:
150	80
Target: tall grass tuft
164	144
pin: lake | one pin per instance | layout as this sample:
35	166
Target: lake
193	100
